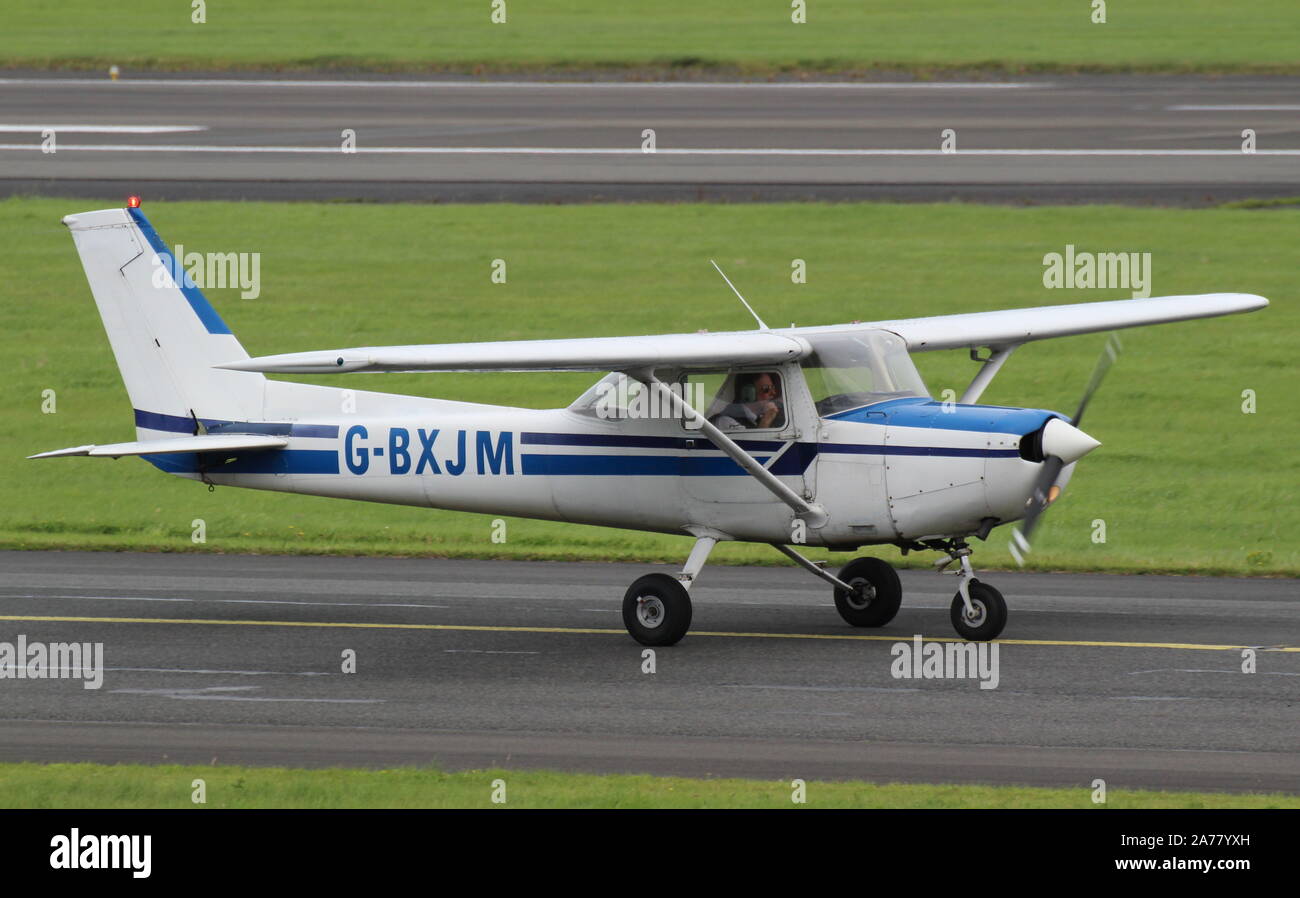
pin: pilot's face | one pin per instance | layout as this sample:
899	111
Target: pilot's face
765	387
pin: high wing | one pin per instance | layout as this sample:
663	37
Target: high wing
1006	328
1012	327
585	354
201	443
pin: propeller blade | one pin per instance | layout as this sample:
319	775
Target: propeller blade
1040	498
1038	502
1052	464
1109	355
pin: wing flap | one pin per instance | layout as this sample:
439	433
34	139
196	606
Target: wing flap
200	443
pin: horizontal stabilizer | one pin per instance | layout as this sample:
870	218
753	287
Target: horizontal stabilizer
223	442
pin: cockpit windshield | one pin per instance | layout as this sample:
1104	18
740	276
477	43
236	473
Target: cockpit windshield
849	371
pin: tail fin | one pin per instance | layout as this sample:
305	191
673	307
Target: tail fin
166	336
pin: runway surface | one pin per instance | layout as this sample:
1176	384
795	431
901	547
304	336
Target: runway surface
1172	140
237	659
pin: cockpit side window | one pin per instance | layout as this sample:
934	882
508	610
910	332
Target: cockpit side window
741	400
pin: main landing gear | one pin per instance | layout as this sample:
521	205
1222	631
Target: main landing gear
657	610
874	593
657	607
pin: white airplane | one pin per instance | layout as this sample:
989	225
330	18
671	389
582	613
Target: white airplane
816	436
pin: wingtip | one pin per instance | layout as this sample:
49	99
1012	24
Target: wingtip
62	453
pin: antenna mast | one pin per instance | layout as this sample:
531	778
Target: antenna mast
761	325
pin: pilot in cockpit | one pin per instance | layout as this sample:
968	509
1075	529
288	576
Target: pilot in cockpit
757	404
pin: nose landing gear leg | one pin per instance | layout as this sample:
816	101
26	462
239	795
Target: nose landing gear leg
978	610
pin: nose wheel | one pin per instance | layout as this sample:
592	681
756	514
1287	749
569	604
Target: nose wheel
978	610
984	617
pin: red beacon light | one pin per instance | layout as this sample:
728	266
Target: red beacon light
133	202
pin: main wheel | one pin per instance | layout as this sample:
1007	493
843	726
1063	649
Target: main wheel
657	610
876	595
990	613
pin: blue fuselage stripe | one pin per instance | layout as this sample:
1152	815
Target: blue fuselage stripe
639	442
631	465
702	462
949	451
794	461
276	461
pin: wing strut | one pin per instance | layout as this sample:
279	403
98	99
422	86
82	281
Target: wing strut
813	513
985	375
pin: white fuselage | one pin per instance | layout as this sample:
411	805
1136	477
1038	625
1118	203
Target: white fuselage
885	473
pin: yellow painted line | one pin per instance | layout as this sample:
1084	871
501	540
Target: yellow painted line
599	631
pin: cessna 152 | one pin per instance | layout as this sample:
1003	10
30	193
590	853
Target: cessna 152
817	436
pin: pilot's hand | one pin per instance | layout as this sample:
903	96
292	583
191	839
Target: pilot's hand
767	412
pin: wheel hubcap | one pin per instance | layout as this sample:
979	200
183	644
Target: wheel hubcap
980	612
649	611
862	594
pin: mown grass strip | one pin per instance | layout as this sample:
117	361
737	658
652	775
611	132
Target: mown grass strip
173	786
671	38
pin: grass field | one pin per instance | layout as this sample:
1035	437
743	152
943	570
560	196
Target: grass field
668	37
172	786
1185	481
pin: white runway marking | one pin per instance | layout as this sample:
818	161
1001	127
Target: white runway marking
100	129
335	150
237	673
1228	670
533	85
1261	107
822	688
485	652
238	601
220	693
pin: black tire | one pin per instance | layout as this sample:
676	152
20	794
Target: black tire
992	609
883	593
657	610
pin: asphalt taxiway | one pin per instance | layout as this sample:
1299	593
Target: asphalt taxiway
472	664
